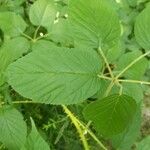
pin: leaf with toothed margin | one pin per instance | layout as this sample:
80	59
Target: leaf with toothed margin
111	115
56	75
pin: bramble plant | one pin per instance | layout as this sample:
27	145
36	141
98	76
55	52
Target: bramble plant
81	61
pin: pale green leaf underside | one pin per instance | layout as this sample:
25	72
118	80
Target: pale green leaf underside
57	75
42	13
12	128
142	30
12	24
35	141
94	23
112	114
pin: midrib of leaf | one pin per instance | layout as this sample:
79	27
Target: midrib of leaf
46	7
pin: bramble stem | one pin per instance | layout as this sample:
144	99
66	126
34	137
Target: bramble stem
85	128
92	135
74	121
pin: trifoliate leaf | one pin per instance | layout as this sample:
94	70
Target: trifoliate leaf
57	75
111	115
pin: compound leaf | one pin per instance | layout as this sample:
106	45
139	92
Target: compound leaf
12	128
56	75
111	115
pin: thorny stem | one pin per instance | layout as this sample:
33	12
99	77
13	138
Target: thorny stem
76	124
85	128
92	135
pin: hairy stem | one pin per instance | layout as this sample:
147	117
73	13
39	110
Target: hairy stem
76	124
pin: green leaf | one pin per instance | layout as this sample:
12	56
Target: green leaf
111	115
142	30
12	24
35	141
10	51
12	128
133	72
42	45
125	140
57	75
61	32
42	13
130	89
144	144
95	23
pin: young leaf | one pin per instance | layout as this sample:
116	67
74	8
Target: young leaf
13	129
112	114
10	51
12	24
42	13
95	23
57	75
35	141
